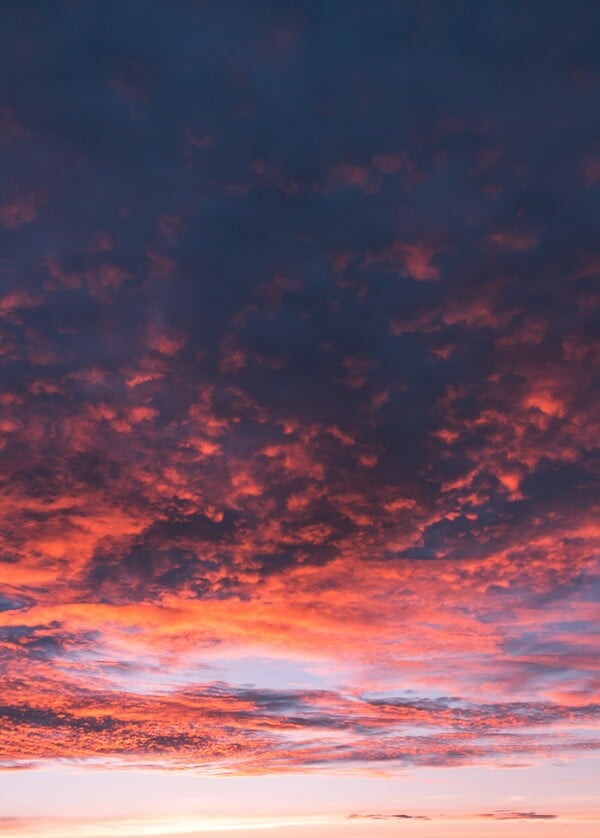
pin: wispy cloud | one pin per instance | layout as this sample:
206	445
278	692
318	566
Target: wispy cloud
505	815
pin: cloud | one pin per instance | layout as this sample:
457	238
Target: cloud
298	350
21	209
386	816
412	259
505	815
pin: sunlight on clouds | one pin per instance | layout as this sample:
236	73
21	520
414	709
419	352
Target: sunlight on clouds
298	354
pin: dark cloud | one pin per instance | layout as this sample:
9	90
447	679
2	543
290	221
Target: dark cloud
504	815
384	817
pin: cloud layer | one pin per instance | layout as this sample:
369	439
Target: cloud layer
299	344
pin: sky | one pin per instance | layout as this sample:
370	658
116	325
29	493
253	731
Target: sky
299	419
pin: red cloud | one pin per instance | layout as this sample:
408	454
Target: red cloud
410	259
21	209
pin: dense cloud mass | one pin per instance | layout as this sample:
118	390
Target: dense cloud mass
299	369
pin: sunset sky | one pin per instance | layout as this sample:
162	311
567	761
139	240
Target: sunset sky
299	419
